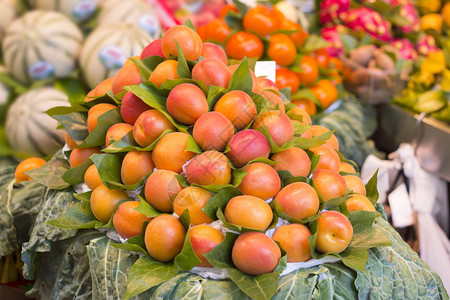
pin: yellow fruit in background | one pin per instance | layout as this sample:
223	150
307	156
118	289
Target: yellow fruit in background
446	14
431	21
428	6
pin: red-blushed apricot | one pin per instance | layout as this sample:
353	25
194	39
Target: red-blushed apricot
334	232
169	152
186	103
249	211
298	200
27	165
261	181
189	41
128	75
95	112
298	113
210	167
164	238
247	145
267	84
104	201
274	99
212	131
101	89
255	82
238	107
132	107
127	221
90	96
293	238
329	159
317	130
149	126
193	199
255	253
359	202
92	178
135	166
167	70
160	188
211	50
355	184
79	156
203	239
212	72
153	49
116	132
294	160
280	126
130	61
347	168
70	142
329	184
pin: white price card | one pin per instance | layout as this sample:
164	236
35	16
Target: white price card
266	69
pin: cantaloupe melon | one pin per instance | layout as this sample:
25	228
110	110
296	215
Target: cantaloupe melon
29	129
5	95
137	12
76	10
107	48
41	44
8	13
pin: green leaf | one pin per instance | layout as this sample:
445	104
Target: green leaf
365	235
220	255
241	79
83	197
430	101
108	167
220	200
192	146
79	216
334	203
147	65
313	43
73	88
348	42
189	24
76	175
182	67
286	93
371	189
75	124
355	259
127	144
147	209
186	259
50	175
261	287
104	122
169	84
214	94
147	273
287	178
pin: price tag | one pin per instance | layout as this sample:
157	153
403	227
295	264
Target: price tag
266	69
401	209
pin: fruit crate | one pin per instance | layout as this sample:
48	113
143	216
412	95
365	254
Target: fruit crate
431	137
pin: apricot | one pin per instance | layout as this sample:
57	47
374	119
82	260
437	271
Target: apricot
261	181
101	89
298	200
293	238
92	178
267	84
238	107
70	142
95	112
169	152
296	112
164	71
274	99
255	83
294	160
355	184
153	49
79	156
210	167
160	188
329	159
128	75
334	232
247	145
212	131
186	103
359	202
27	165
132	107
211	50
280	126
127	221
347	168
249	211
116	132
255	253
203	239
104	201
189	41
135	166
317	130
194	199
164	238
307	104
149	126
329	184
212	71
129	60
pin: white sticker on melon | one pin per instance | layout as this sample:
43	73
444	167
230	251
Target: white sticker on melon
77	10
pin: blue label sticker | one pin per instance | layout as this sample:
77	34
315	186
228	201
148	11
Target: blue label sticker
150	24
112	57
41	70
84	10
